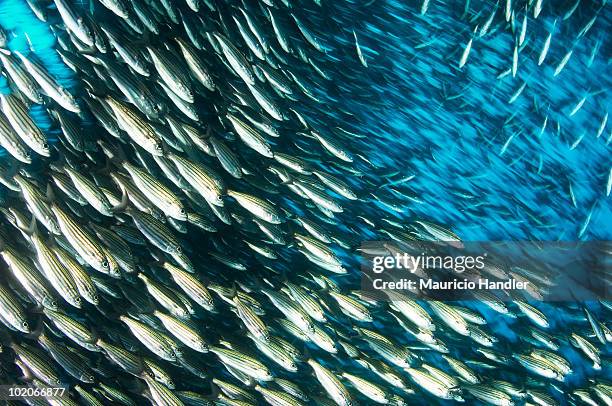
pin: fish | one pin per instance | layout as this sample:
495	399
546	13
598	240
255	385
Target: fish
12	311
258	207
248	365
22	124
26	84
10	141
171	74
251	137
29	277
189	190
138	129
466	53
157	192
49	85
84	242
236	60
331	384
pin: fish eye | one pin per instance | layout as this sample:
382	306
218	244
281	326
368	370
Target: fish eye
179	249
158	147
104	264
182	211
45	145
77	300
25	324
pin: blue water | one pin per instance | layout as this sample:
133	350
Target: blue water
481	165
455	146
33	38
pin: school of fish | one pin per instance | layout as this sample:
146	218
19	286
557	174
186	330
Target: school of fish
191	237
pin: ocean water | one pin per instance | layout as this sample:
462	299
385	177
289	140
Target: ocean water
468	158
480	164
31	36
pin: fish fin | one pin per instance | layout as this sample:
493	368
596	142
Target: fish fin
49	194
95	94
284	278
214	392
124	201
31	229
27	373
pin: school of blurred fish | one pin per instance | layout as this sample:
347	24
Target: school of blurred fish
193	247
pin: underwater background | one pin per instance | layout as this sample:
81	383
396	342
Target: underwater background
460	138
494	170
